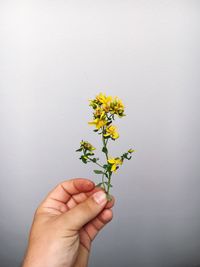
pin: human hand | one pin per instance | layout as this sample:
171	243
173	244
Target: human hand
65	224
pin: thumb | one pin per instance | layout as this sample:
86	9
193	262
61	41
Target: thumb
78	216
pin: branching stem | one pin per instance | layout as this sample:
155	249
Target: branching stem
96	163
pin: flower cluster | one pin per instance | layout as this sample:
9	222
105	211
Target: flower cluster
87	149
105	108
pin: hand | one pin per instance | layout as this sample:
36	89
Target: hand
65	224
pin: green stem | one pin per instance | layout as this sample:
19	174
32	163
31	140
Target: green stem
109	182
103	182
105	143
109	117
96	163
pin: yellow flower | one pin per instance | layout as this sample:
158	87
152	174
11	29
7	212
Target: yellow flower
103	99
117	107
99	112
115	162
112	132
99	122
108	104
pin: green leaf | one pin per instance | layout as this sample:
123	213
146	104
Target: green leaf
109	122
89	154
105	150
109	167
125	155
84	159
79	150
105	166
95	160
99	185
96	130
98	172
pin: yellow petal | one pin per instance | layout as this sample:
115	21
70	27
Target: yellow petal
113	169
91	123
115	135
111	161
118	161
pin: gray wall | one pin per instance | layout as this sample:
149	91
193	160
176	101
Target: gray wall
54	56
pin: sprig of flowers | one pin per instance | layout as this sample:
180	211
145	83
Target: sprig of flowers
105	109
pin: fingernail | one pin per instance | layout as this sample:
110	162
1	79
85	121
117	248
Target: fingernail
100	197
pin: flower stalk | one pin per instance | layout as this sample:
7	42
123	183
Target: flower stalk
105	108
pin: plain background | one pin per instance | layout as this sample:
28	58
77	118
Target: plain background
54	56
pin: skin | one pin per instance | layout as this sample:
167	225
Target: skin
66	223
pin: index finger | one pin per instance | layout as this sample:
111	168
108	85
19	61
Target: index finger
63	191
